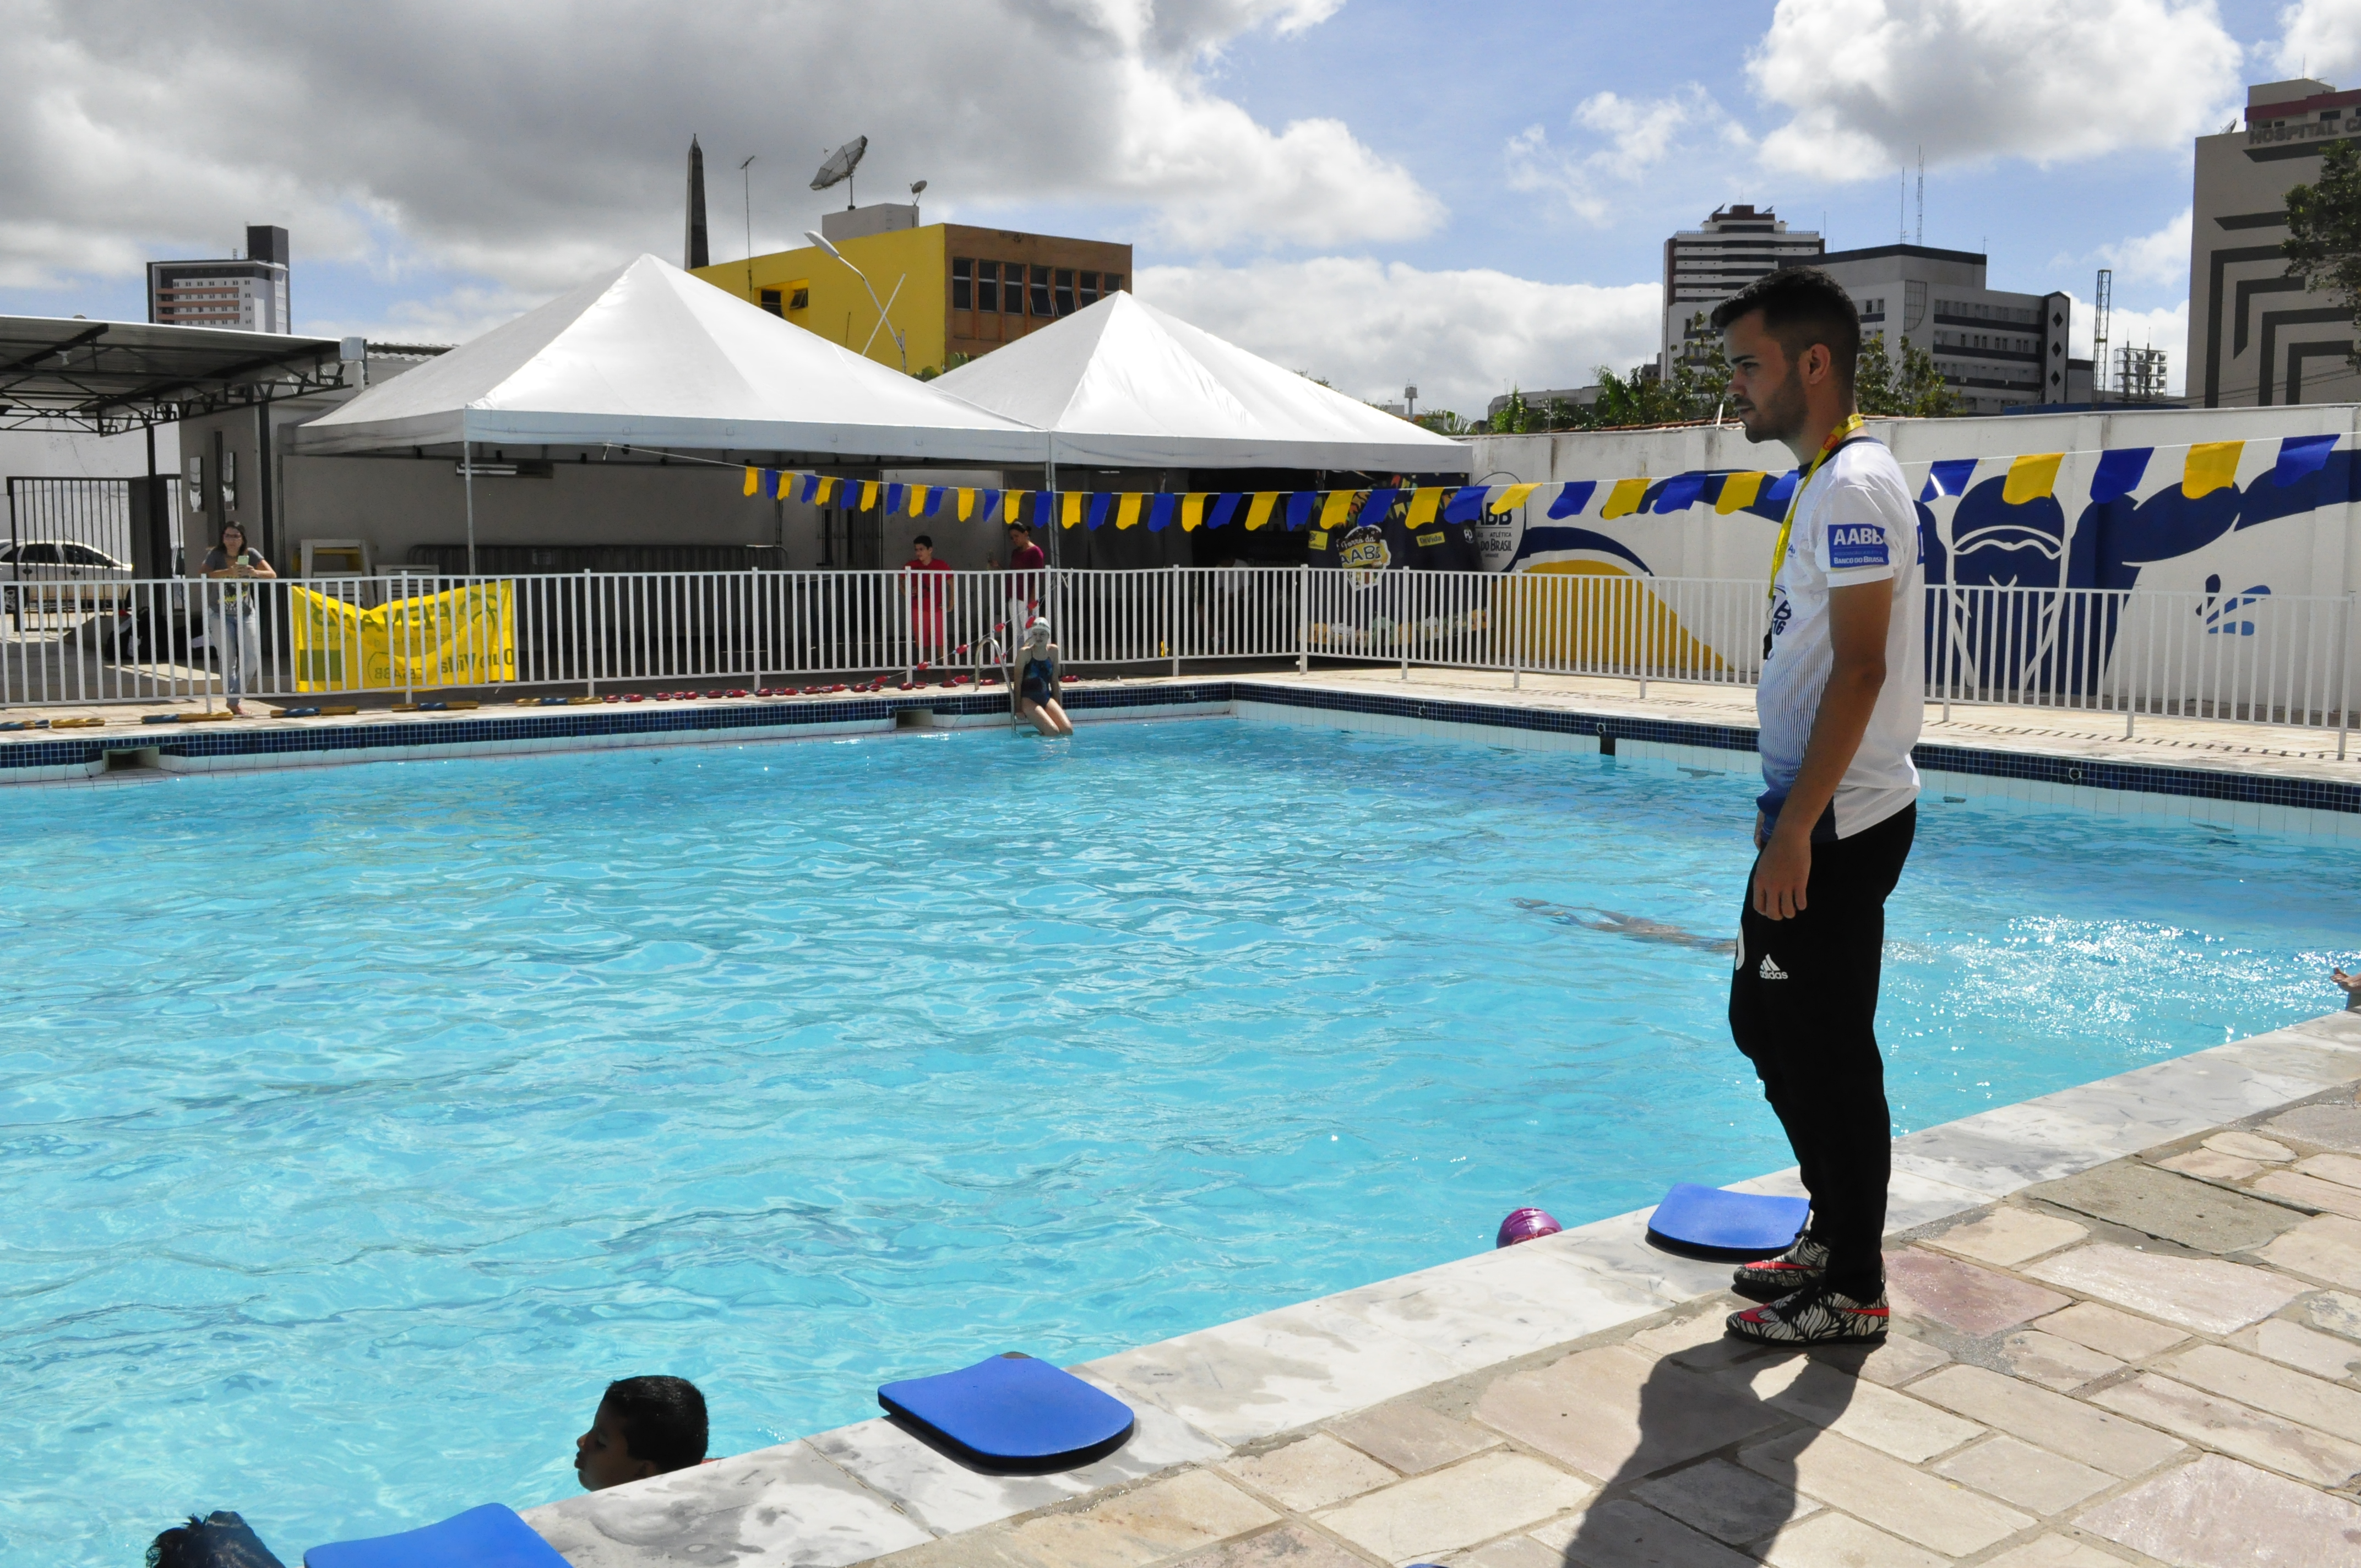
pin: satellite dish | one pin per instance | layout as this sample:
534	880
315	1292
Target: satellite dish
916	186
840	163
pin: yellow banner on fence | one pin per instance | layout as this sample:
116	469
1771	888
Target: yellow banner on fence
464	636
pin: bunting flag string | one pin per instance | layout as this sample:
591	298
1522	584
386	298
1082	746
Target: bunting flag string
2207	467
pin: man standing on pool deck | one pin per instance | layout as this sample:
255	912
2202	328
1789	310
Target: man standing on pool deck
1840	708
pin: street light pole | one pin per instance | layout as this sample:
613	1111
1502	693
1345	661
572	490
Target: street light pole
900	346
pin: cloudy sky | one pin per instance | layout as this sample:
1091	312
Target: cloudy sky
1374	191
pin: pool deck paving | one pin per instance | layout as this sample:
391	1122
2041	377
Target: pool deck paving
2127	1325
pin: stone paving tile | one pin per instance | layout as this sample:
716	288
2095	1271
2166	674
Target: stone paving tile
1891	1364
1834	1400
2120	1447
2330	1126
2332	1310
2110	1333
1412	1438
2052	1362
1448	1510
2031	1478
1885	1492
2007	1236
2163	1204
2218	1513
2055	1551
1310	1472
1610	1411
1832	1541
1976	1302
2211	1164
1290	1546
2266	1386
1513	1551
2311	1192
2327	1248
938	1492
1731	1504
2343	1169
1479	1311
2246	1145
1625	1534
2323	1356
1126	1529
2266	1439
2203	1293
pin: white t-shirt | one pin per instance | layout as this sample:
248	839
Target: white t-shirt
1855	524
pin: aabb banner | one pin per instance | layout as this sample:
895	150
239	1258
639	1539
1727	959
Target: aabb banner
463	637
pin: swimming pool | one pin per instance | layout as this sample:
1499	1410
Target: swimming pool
360	1123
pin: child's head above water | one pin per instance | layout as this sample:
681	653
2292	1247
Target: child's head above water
646	1426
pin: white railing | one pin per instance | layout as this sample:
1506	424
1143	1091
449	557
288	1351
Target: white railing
2248	656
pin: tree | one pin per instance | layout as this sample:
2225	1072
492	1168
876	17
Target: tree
1916	387
1515	417
2324	243
1442	422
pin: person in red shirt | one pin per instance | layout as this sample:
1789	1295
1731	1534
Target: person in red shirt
927	596
1027	563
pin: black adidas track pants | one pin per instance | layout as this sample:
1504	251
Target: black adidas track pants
1803	1007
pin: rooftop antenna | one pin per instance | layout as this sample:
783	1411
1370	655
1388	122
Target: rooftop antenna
840	166
917	188
2100	310
1922	196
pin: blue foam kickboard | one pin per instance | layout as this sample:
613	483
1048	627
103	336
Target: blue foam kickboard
1710	1221
489	1536
1013	1413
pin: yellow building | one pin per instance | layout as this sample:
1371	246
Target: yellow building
951	289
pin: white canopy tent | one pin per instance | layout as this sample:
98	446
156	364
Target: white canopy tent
1124	384
648	355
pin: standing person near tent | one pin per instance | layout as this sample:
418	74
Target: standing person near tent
927	591
1035	680
230	613
1840	708
1027	564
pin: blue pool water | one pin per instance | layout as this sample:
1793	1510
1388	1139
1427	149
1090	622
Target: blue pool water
357	1125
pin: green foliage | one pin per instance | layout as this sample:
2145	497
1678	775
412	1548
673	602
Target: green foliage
2324	243
1442	422
1514	418
1913	387
952	361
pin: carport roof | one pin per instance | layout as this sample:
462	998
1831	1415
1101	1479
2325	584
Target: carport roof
107	377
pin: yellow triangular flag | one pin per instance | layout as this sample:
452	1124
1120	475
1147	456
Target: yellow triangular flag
1012	504
868	495
1126	509
754	477
2031	475
1337	508
1192	510
1071	512
1739	490
1259	512
966	502
2212	464
1514	495
826	490
918	500
1424	502
1625	498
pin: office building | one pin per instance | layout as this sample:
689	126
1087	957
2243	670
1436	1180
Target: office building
2255	336
248	292
948	287
1996	349
1706	265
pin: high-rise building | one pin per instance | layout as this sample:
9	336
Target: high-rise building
2255	336
248	292
1706	265
1994	348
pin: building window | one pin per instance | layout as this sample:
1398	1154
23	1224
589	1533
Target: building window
963	283
1041	292
1086	289
1111	284
771	302
987	286
1065	292
800	298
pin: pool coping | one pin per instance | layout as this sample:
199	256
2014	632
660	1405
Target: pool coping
2242	796
845	1496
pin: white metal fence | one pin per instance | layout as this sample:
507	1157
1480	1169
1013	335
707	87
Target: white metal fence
2250	656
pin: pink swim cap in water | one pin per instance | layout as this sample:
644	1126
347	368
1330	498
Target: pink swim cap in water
1526	1224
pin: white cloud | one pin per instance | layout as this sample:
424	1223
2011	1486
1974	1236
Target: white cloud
2158	257
1641	135
533	142
1870	81
1370	328
2322	40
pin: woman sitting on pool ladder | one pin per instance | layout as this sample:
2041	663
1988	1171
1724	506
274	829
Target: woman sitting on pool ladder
1035	682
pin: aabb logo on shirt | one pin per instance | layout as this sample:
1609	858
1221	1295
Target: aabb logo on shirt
1852	546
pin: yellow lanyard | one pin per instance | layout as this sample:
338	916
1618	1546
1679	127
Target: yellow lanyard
1837	438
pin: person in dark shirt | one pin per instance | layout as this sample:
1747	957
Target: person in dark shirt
1037	682
230	624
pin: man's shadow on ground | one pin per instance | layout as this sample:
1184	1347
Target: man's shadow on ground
1710	1469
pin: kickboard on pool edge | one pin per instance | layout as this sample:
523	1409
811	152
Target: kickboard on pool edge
1011	1413
487	1536
1721	1226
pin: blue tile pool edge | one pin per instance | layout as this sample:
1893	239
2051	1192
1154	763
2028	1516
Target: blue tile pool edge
788	717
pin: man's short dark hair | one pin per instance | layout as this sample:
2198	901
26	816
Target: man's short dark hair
662	1419
1801	306
926	539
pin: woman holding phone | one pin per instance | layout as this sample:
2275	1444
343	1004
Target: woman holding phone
230	624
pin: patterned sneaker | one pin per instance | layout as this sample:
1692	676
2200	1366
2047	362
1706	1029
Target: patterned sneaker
1769	1278
1814	1315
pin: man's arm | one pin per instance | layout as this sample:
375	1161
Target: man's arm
1857	617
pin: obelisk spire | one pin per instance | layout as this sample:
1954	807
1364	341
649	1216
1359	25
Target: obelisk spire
694	252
